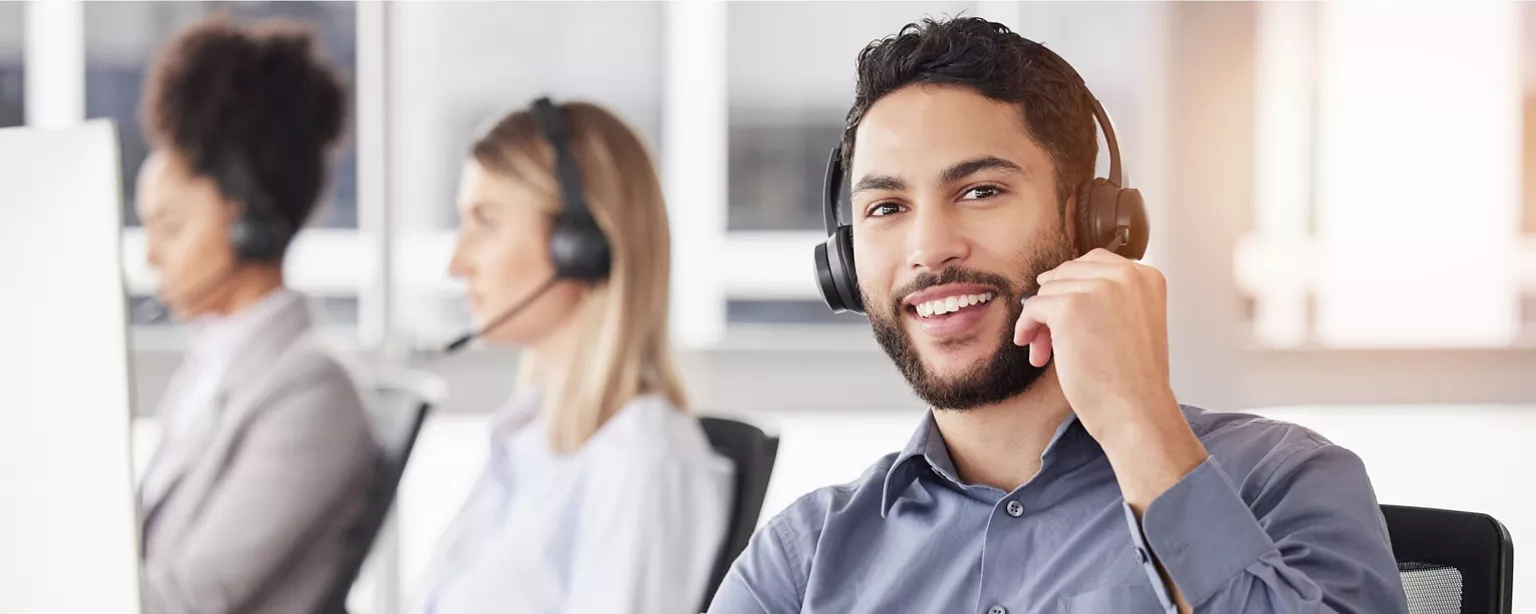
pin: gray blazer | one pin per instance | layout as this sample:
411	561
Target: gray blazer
255	523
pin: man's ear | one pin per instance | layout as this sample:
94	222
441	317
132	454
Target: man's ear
1072	221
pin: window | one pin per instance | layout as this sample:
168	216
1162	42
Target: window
12	93
1528	174
1355	244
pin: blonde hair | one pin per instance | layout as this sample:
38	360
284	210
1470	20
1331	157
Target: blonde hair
622	349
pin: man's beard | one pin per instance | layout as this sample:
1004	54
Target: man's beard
1005	374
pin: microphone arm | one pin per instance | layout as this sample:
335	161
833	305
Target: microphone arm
155	310
462	342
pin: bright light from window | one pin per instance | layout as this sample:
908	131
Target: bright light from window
1413	160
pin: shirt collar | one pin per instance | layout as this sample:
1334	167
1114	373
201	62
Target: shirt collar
520	410
220	339
1070	446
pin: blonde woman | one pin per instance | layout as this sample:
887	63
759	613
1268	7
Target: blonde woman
601	494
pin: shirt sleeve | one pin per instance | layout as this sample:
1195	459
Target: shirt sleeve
763	580
647	538
1312	540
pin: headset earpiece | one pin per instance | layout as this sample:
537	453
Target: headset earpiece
258	233
1131	214
579	249
839	281
1113	218
577	246
255	240
835	274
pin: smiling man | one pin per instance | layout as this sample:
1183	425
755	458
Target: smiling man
1056	471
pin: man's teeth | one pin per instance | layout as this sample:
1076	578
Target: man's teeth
951	304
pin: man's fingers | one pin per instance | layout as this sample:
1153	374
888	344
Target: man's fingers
1033	327
1081	269
1040	348
1060	287
1100	254
1025	330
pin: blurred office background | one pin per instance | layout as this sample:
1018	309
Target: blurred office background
1343	198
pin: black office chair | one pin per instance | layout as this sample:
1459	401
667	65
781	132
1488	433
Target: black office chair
1452	562
754	453
401	403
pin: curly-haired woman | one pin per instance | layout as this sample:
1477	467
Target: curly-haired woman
266	453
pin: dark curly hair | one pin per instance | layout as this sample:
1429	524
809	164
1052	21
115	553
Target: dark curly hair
252	108
998	64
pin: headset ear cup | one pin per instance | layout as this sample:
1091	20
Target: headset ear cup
1131	212
579	250
824	281
835	275
848	276
1106	210
256	240
258	233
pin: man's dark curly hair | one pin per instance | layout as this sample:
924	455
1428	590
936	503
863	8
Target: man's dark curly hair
225	96
997	63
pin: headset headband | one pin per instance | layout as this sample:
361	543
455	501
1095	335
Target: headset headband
550	121
1106	125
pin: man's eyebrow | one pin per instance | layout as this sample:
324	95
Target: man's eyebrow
955	172
966	168
879	182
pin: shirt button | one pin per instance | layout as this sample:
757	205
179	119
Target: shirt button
997	609
1141	556
1015	509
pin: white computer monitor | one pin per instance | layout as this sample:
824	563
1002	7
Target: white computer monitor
68	524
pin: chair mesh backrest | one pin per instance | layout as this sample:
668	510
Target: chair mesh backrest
1432	589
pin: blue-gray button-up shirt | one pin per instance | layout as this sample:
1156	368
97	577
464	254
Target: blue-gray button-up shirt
1277	519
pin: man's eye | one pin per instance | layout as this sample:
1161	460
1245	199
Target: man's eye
883	209
982	192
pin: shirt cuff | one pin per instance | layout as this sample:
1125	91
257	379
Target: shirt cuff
1201	531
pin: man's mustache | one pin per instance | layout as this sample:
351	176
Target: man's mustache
953	275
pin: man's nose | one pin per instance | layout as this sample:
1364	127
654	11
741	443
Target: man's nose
936	241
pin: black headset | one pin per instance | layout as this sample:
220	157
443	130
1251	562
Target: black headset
577	246
260	233
1109	216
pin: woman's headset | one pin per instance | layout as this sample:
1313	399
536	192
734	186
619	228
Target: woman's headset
260	233
577	246
1109	216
